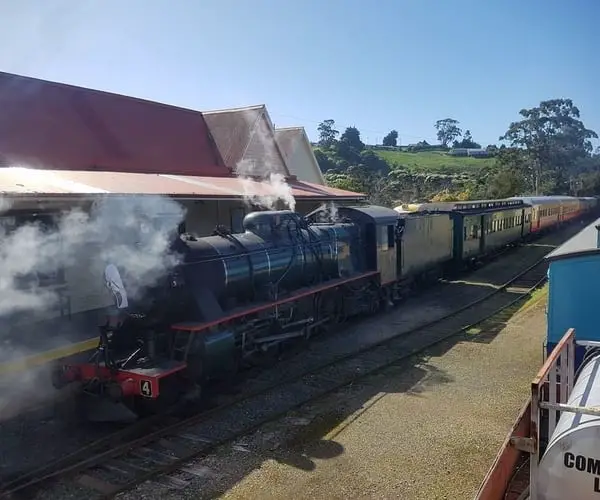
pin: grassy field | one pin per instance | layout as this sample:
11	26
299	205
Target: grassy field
434	161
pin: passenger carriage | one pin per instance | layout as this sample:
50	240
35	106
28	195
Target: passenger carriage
548	211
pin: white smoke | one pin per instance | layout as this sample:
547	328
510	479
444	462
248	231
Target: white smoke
5	204
279	191
116	230
269	170
326	212
332	210
133	232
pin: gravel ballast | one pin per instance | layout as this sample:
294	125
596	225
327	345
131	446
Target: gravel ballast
429	428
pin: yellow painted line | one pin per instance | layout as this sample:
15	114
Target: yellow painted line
42	358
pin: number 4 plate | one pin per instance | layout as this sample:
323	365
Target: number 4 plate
146	388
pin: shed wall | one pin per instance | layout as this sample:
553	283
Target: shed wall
574	298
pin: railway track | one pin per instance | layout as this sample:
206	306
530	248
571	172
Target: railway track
158	449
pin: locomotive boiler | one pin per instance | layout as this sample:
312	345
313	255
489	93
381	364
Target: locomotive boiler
278	252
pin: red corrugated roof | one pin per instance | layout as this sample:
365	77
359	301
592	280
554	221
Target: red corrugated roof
51	125
23	181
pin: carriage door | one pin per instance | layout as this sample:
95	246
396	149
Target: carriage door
400	226
482	232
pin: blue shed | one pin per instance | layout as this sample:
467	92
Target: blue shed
574	288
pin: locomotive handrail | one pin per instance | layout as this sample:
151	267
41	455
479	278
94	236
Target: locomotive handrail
546	388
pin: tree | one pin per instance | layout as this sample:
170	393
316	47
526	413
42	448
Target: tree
374	162
327	133
447	131
325	163
391	139
351	137
553	138
467	142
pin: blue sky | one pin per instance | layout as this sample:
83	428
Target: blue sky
377	65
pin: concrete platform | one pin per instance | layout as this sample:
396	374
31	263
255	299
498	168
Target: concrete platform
431	430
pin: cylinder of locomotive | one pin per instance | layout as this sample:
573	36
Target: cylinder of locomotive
570	467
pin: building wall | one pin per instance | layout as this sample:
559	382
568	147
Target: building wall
574	298
299	156
203	216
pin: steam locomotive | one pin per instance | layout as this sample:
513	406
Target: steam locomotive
236	299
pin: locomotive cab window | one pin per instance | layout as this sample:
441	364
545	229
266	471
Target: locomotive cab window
390	236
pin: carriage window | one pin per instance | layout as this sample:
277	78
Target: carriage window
390	236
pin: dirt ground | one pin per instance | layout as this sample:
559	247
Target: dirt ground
425	429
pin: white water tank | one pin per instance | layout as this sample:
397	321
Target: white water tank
570	467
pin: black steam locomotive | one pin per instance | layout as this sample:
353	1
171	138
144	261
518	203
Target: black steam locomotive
235	299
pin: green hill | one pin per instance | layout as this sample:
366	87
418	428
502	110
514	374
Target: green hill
434	162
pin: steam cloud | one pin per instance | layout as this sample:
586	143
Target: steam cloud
280	191
325	212
269	170
117	230
114	230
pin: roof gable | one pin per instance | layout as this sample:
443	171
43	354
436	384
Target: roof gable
246	141
298	154
56	126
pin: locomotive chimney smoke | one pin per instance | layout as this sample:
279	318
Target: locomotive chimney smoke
327	212
332	210
263	163
279	190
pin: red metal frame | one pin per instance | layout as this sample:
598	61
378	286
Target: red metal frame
132	382
197	327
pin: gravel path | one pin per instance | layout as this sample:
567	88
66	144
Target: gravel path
427	429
